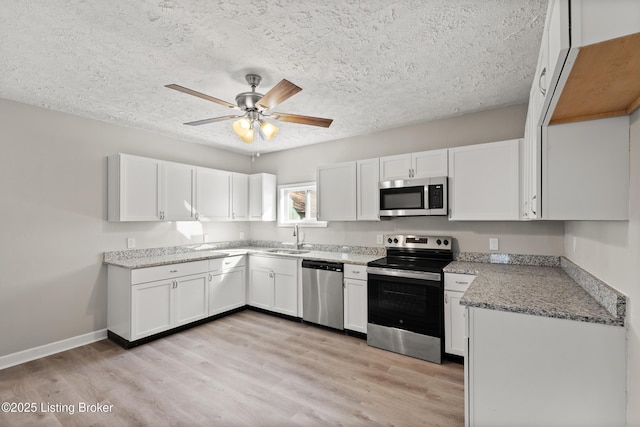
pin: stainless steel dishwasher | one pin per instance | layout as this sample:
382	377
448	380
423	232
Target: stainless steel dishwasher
322	293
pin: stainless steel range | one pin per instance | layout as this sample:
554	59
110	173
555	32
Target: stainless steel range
406	296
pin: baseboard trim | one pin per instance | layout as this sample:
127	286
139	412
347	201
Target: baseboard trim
30	354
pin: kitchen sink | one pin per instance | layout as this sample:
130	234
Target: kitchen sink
287	251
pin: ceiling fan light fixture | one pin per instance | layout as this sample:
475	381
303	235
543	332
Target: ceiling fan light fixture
269	130
240	127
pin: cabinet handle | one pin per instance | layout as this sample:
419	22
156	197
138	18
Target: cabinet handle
543	91
532	199
173	271
355	271
233	215
446	299
175	284
461	283
210	277
197	216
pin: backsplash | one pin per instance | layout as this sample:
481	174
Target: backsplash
514	259
212	246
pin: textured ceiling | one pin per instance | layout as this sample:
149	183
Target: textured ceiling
369	65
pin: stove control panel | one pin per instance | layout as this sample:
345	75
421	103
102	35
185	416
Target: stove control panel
418	242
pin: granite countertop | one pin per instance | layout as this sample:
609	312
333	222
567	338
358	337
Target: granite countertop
536	290
197	255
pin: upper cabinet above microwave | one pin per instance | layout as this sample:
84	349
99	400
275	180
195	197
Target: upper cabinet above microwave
589	61
425	164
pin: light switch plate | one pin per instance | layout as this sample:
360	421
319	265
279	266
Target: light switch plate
493	244
131	242
205	238
242	235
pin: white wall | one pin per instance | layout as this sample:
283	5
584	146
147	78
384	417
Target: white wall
610	250
299	165
53	230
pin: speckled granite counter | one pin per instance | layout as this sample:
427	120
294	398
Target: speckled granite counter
541	291
142	258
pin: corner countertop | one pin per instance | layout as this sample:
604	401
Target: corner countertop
198	255
540	291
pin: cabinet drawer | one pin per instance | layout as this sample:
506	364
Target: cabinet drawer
352	271
150	274
287	266
226	263
457	282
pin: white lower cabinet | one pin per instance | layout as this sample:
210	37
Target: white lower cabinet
227	285
146	301
455	286
355	298
273	284
525	370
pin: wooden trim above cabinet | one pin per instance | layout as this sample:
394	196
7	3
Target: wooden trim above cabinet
604	82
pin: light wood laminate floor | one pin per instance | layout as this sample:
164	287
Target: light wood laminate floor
247	369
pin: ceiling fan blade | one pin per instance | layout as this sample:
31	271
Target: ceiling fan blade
280	92
303	120
201	95
212	120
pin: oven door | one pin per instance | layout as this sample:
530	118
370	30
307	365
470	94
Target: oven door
407	300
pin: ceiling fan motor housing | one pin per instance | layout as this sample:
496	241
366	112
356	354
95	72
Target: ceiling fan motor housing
248	100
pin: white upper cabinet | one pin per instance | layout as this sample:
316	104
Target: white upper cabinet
484	182
240	197
586	170
262	197
368	195
584	44
143	189
134	188
213	194
425	164
337	192
178	191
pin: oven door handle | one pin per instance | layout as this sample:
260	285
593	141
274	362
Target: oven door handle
422	275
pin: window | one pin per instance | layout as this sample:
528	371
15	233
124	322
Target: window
298	205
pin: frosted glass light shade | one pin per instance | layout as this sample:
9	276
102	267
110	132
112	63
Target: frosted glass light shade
247	136
268	130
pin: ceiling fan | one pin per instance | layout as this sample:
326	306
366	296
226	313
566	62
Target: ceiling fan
255	108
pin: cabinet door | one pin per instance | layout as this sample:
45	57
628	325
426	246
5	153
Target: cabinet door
368	176
262	197
586	170
392	167
151	308
337	192
355	305
261	288
240	197
139	189
191	300
226	291
178	191
285	298
484	181
213	198
454	323
428	164
555	49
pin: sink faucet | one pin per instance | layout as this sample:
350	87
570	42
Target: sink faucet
296	233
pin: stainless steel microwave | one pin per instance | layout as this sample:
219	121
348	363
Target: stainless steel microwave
413	197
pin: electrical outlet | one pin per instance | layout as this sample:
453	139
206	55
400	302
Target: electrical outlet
493	244
242	235
574	244
379	239
131	242
205	238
